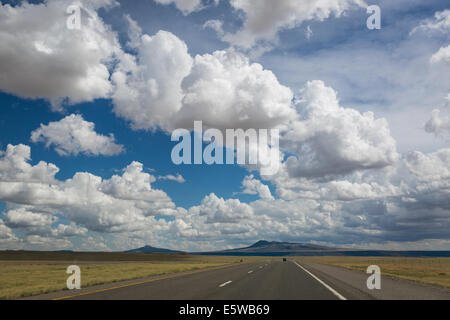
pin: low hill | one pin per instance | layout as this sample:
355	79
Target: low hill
264	247
150	249
274	248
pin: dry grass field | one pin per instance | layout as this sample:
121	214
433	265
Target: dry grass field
25	279
434	271
24	274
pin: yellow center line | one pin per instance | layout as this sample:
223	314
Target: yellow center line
140	282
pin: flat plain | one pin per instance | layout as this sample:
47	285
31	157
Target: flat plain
29	273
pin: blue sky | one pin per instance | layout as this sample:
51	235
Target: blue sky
150	148
364	158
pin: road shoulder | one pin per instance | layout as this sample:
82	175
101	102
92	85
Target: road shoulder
352	285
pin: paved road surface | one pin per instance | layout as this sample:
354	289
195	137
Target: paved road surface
275	280
250	281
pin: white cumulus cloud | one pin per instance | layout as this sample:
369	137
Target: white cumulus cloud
22	218
185	6
164	87
73	135
148	87
225	90
123	202
438	124
443	55
331	140
263	19
177	178
440	23
14	166
217	209
41	58
255	186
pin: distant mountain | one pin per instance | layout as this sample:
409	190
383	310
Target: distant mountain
263	246
275	248
150	249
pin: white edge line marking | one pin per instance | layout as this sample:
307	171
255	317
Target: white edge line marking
224	284
337	294
250	271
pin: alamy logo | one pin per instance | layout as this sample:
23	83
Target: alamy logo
374	281
374	21
74	280
252	147
73	22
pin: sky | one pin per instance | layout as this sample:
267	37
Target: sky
92	91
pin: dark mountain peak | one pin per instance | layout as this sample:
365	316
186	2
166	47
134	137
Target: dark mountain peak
278	246
150	249
147	247
261	243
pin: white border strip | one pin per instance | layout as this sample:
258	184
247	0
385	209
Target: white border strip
337	294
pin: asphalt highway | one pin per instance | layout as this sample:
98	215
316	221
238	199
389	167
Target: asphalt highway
275	280
270	280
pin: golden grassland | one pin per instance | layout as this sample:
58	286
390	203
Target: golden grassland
22	278
434	271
